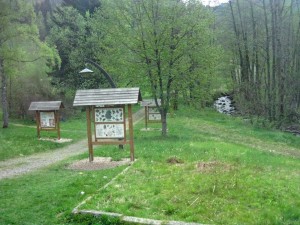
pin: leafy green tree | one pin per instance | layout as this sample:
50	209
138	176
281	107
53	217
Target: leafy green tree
162	46
267	58
18	30
83	6
69	32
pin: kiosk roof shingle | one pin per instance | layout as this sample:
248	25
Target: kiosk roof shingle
108	96
46	106
150	102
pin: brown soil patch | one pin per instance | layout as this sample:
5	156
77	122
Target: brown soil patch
174	160
204	167
99	163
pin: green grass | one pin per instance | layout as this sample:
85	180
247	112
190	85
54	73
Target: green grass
231	173
20	138
228	172
48	196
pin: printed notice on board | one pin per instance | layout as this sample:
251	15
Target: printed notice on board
109	131
47	119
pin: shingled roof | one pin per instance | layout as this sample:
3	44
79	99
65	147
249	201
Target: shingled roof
150	102
46	106
107	96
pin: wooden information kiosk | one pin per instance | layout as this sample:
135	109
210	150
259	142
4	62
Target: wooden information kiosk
152	114
47	116
106	116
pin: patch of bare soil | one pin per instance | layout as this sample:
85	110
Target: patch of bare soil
99	163
207	167
174	160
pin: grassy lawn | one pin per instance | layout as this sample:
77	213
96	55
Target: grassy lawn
48	196
211	169
20	139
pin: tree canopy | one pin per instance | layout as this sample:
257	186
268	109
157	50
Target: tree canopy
180	52
164	46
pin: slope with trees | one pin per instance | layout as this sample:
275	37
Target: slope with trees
19	44
266	58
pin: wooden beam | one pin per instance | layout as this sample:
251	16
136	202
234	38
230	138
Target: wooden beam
57	124
103	142
130	123
146	117
89	133
37	117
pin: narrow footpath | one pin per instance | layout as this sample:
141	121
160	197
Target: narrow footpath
22	165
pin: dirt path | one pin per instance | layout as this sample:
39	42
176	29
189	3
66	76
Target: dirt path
22	165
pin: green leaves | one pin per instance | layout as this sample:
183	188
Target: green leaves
160	41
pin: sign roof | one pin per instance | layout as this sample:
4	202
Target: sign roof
107	96
150	102
46	106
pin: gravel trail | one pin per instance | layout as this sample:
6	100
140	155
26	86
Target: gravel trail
22	165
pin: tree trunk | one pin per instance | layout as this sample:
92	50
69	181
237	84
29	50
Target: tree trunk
164	128
175	100
4	95
268	92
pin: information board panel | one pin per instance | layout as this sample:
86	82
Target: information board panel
47	119
109	122
109	130
154	117
109	115
153	114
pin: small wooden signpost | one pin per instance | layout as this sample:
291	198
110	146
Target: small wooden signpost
108	119
47	116
152	114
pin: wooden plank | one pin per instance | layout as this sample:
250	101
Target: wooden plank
106	97
150	102
46	105
48	129
114	90
37	117
113	96
89	134
130	125
106	103
146	117
116	142
57	124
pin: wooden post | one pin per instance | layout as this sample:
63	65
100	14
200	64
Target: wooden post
57	124
89	133
37	117
146	117
130	123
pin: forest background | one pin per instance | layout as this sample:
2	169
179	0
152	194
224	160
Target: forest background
178	51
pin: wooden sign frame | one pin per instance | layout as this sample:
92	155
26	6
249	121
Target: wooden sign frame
152	114
112	125
148	114
91	128
106	98
51	125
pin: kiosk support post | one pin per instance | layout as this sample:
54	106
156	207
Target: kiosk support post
130	122
37	117
89	134
57	124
